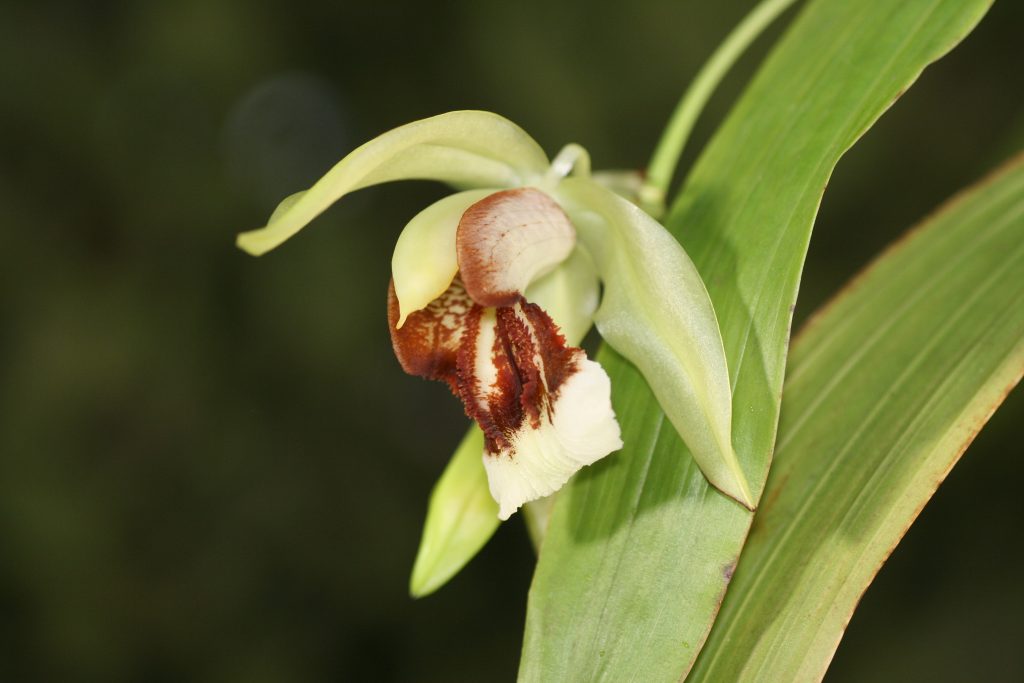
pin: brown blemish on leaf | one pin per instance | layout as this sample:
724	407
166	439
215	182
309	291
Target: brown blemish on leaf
772	494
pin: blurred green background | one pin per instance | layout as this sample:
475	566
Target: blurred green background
212	467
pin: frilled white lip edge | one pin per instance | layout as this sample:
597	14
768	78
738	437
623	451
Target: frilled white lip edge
544	408
580	429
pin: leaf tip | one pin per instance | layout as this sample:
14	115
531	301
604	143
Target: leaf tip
732	483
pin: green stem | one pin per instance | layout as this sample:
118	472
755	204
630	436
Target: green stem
673	140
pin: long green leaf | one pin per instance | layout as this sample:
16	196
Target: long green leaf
886	389
639	549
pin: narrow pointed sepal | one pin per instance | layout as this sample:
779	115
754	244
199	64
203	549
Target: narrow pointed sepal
657	313
461	517
468	149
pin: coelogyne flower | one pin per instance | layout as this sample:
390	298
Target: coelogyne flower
493	286
545	410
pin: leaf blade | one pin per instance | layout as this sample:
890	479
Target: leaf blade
643	517
850	455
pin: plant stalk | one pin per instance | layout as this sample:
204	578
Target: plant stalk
670	147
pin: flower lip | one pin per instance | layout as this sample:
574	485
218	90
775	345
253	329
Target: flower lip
509	239
579	430
506	364
428	344
545	410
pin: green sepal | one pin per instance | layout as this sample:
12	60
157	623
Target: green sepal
461	518
656	312
467	149
425	261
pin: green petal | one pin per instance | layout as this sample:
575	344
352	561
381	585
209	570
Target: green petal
569	294
465	148
656	312
461	517
425	260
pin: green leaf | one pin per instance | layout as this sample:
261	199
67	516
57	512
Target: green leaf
657	314
639	549
886	389
461	517
469	149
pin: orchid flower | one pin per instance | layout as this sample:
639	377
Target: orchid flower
494	286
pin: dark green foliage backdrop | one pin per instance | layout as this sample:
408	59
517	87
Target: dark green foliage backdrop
212	468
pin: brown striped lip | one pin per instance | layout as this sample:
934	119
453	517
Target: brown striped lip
544	409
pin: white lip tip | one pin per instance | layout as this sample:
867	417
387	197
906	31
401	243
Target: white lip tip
583	430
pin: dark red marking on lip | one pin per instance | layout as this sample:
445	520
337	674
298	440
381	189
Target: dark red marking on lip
427	345
559	361
529	354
